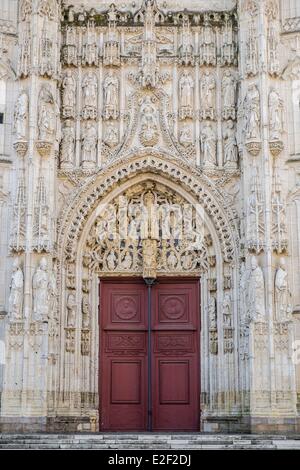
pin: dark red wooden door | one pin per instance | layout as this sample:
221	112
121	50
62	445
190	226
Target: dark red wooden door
123	368
174	355
175	349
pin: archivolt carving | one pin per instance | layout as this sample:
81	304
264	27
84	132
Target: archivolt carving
90	195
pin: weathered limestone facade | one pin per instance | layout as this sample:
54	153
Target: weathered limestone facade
150	104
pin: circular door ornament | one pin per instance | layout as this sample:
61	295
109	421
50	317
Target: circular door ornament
173	307
125	308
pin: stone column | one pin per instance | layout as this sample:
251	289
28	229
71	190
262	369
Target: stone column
38	74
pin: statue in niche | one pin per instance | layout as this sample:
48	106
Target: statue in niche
283	307
172	260
85	312
15	301
127	261
256	292
273	43
186	87
230	144
111	137
89	92
21	116
226	310
275	113
47	59
149	122
40	285
69	94
252	113
111	261
212	313
187	261
207	45
208	96
149	258
186	137
149	20
229	95
111	96
46	115
90	48
228	49
67	144
243	292
25	52
252	54
208	143
71	311
89	143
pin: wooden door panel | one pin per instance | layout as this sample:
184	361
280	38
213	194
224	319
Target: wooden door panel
175	374
175	306
124	306
123	350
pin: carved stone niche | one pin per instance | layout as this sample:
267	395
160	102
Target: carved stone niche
213	341
253	147
21	148
70	340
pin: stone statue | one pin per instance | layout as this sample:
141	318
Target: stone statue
252	53
212	314
40	285
46	115
252	113
172	260
69	94
208	143
85	312
230	144
21	116
111	96
228	95
15	301
111	261
89	143
149	258
283	307
226	310
207	45
67	144
89	94
111	137
186	137
24	61
71	311
186	87
208	95
273	42
149	122
127	261
275	113
256	292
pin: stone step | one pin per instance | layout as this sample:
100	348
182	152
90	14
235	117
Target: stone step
146	441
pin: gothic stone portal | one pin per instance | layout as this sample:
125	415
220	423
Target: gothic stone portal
166	397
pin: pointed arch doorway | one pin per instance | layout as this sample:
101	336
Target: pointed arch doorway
149	355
